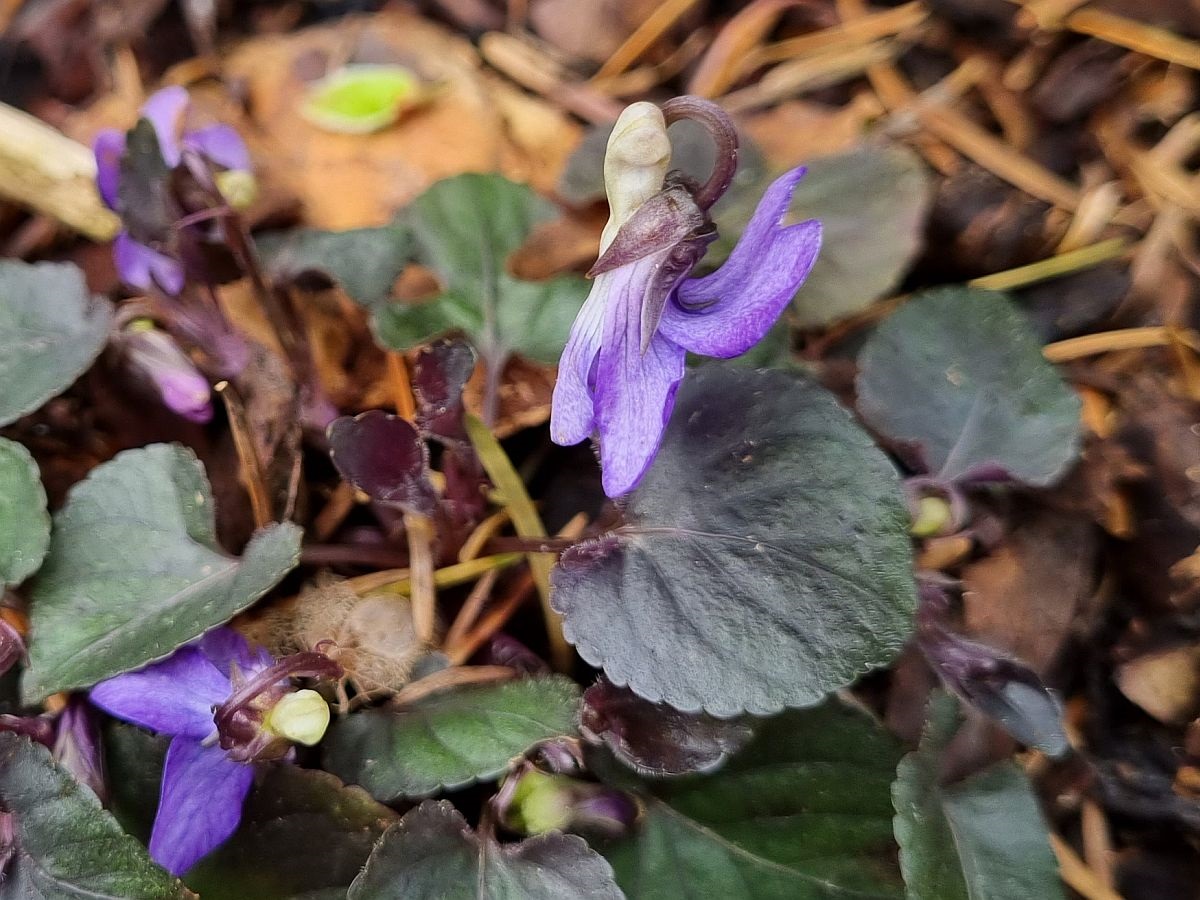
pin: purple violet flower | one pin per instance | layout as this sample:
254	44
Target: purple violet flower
221	702
627	352
139	264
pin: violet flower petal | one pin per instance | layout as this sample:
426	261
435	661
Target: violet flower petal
108	147
175	696
200	804
224	646
165	111
220	144
144	267
572	414
634	390
726	313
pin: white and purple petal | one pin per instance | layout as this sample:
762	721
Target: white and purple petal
109	147
199	805
145	268
726	313
634	389
175	696
572	414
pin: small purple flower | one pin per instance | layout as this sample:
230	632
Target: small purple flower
139	264
218	699
626	355
153	356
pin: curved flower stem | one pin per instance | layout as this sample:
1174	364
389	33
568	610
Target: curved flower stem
720	128
299	665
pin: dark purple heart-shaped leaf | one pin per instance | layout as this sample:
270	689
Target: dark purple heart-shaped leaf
432	852
960	374
765	561
656	739
439	375
384	456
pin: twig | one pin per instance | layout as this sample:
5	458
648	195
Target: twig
1137	36
810	73
483	532
495	619
726	59
1051	267
527	523
331	516
396	580
471	608
250	470
1077	875
1122	339
644	36
401	386
869	27
420	532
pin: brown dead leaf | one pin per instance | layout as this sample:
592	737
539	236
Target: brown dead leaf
1165	683
799	129
471	123
524	395
589	29
1022	597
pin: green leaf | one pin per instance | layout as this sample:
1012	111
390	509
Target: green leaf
67	845
24	522
360	99
980	839
803	812
450	739
465	229
959	374
872	203
51	329
432	854
303	833
364	261
134	571
764	561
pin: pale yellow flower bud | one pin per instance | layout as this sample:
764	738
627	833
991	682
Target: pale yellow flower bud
635	164
238	187
301	717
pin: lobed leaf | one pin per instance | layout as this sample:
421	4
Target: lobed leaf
134	571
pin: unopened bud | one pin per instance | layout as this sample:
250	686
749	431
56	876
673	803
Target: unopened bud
238	187
301	717
635	164
542	802
153	355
